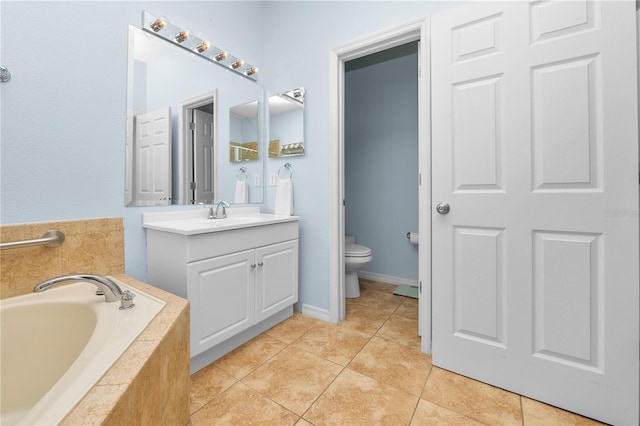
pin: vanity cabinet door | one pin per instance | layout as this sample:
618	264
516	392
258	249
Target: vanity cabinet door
222	296
277	278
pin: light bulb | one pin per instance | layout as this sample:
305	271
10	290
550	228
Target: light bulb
220	56
252	71
181	36
157	25
202	46
237	64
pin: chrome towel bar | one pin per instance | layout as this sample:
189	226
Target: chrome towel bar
49	239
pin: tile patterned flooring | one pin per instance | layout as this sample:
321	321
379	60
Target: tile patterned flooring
367	370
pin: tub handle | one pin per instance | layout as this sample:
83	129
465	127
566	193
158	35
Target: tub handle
126	300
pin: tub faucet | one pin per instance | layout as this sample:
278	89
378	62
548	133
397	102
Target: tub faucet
222	215
106	286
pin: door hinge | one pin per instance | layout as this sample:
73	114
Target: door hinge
420	287
419	179
192	185
344	202
192	126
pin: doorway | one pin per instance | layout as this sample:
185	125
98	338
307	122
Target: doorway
197	150
381	161
416	31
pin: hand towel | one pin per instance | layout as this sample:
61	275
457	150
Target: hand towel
242	192
284	197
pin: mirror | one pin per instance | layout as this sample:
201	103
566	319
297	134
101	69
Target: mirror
243	145
286	124
179	124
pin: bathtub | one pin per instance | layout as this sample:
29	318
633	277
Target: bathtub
55	345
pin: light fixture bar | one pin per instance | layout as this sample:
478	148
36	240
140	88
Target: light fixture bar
201	47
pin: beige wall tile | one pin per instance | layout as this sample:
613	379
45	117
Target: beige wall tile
94	246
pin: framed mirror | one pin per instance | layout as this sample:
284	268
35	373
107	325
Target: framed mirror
286	124
179	125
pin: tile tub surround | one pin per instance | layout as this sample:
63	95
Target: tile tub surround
94	246
366	370
149	383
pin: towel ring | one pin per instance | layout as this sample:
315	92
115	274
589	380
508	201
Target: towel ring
242	173
286	167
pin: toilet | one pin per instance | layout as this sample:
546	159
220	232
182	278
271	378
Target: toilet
355	257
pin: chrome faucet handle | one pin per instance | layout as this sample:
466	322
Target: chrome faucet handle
126	300
210	207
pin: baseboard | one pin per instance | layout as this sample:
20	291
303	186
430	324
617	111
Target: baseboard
387	278
315	312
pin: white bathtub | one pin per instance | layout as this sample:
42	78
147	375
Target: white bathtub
55	345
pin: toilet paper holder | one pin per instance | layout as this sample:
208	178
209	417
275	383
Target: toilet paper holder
412	237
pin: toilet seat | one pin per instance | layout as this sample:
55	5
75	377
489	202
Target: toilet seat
355	250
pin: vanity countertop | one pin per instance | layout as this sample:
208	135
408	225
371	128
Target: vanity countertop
194	222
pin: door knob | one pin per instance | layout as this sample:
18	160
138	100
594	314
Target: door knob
442	208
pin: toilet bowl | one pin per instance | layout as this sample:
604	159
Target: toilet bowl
355	257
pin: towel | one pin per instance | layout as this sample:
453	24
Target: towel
284	197
242	192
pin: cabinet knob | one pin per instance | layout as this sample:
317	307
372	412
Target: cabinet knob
253	266
260	264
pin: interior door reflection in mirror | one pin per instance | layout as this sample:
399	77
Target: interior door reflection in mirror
286	124
177	112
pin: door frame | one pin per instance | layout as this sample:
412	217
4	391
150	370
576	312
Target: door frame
417	30
185	151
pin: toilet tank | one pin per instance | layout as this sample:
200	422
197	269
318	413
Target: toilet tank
349	239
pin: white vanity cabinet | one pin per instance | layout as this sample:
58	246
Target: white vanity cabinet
237	290
240	280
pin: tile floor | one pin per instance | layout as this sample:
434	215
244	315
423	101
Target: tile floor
367	370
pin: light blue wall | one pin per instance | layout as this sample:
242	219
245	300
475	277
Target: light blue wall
381	162
299	38
63	113
64	110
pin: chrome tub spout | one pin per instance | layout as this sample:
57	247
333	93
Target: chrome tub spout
112	291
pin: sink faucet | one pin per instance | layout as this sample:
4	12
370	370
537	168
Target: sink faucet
106	286
222	215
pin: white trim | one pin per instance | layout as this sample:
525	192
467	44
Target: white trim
315	312
412	31
388	279
184	136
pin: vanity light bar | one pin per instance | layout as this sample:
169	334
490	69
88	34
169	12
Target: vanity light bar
185	39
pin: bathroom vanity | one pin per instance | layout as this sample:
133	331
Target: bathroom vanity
240	274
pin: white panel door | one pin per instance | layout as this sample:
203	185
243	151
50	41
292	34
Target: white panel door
152	171
535	150
204	154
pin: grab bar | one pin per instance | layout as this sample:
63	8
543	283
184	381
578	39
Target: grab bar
49	239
